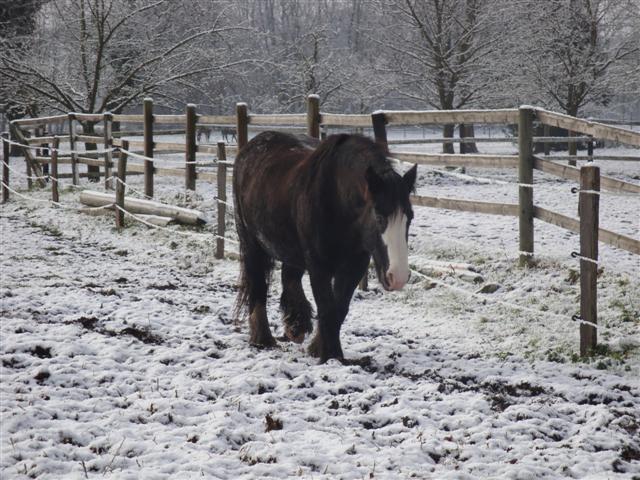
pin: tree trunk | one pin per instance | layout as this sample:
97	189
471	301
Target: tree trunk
93	172
573	146
467	131
538	131
447	132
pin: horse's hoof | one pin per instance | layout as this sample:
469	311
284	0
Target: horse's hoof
293	336
362	362
263	343
314	348
335	354
296	327
324	360
261	346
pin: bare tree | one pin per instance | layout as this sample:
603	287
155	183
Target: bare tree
439	49
104	55
578	53
18	21
305	49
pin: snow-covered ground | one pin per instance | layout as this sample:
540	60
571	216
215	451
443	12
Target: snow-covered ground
120	357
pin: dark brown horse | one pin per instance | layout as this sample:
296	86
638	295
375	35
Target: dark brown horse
323	208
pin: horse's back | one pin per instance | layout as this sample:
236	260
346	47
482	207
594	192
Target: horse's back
270	142
265	184
269	163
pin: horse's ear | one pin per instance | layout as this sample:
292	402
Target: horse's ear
373	180
409	178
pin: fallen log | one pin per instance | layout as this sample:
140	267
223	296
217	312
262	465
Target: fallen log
463	271
145	207
152	219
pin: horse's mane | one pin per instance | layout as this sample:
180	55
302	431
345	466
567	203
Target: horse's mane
348	150
363	155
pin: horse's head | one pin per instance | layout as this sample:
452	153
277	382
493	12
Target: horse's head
388	227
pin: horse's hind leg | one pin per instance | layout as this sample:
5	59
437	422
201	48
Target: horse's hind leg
295	307
257	269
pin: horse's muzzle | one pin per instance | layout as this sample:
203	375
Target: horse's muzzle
394	281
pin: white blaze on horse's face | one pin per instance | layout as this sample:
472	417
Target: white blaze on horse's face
395	239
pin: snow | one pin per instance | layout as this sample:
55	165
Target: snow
121	359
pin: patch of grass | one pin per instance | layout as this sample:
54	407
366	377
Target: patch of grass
604	350
272	423
573	276
557	356
630	316
622	282
503	355
627	313
50	230
602	357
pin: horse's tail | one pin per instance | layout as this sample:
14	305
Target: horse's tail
241	306
255	271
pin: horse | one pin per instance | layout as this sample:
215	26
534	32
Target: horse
204	131
321	207
228	133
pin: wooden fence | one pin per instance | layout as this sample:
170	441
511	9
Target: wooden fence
313	121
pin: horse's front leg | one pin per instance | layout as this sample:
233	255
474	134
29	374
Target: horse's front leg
327	340
326	343
346	280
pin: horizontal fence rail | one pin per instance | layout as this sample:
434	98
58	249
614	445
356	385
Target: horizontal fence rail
443	117
572	173
278	120
474	206
573	225
345	120
488	140
26	122
455	160
595	129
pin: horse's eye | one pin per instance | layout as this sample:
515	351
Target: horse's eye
382	221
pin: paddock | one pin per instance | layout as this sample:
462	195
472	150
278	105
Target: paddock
121	354
588	176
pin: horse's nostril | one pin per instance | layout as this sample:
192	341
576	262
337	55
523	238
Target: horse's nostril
390	278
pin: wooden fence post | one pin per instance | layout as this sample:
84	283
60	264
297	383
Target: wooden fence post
46	152
6	148
33	167
573	148
120	184
29	171
313	116
108	145
222	196
589	221
148	147
190	141
72	146
546	133
590	149
525	189
380	128
242	125
55	196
